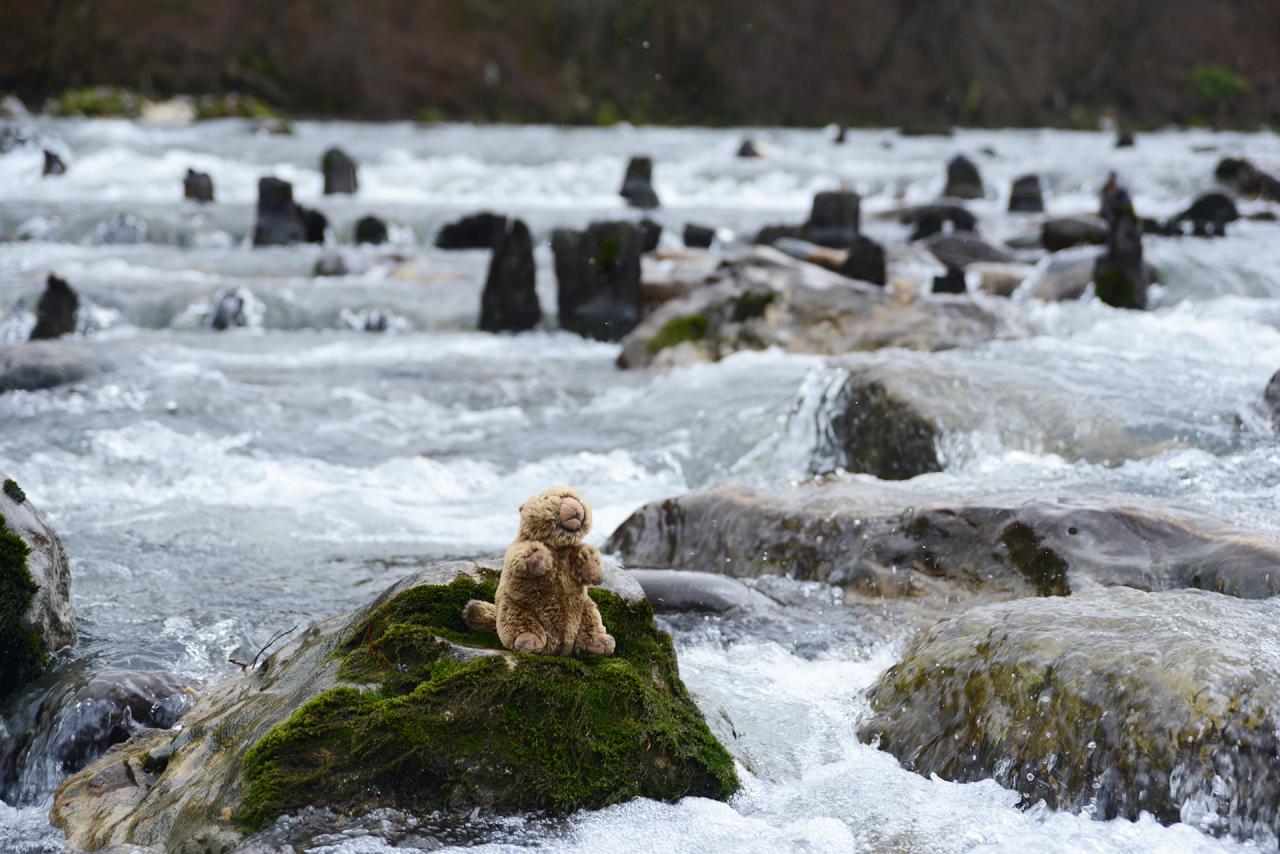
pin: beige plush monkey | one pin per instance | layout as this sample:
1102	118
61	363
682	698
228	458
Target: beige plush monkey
542	604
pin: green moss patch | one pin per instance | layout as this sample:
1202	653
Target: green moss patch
14	491
97	102
22	652
441	720
690	327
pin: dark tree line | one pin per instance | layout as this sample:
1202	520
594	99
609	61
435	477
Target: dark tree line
915	62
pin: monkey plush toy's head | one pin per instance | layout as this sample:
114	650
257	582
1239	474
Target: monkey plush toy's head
557	517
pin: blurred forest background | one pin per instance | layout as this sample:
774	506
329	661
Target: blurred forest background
921	63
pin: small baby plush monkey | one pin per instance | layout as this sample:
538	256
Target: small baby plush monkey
542	604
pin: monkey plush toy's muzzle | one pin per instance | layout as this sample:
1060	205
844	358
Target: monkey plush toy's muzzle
572	514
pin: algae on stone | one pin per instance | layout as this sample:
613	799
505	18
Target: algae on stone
1117	701
22	652
677	330
432	719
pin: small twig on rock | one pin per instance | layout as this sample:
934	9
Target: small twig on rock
249	665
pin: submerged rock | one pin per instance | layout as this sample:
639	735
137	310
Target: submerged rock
963	179
330	264
56	311
35	586
39	365
122	229
477	231
370	229
941	554
598	276
339	172
748	149
510	301
398	705
64	727
1065	232
1118	700
763	298
637	184
1025	195
197	186
228	310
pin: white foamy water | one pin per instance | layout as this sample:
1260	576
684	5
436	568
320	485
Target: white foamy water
213	488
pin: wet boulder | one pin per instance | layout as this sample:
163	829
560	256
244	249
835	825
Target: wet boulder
749	150
509	302
121	229
197	186
680	591
598	276
1207	216
950	282
56	311
35	586
1247	179
397	705
477	231
53	164
863	426
1125	139
960	249
650	235
1025	196
39	365
339	172
1119	275
315	225
228	309
60	729
371	230
1064	232
963	179
698	236
1271	397
279	220
764	298
928	220
833	218
330	264
942	554
865	261
1116	700
637	185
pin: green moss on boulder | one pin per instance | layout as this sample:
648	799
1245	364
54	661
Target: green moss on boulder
433	716
22	652
97	102
14	491
677	330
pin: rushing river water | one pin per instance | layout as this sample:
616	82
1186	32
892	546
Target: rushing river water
212	488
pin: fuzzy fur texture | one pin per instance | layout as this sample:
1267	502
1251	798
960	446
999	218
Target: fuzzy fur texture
542	605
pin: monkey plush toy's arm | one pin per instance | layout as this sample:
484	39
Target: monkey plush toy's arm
587	565
527	558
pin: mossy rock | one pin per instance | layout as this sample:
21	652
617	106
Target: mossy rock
1117	700
398	705
96	102
35	616
677	330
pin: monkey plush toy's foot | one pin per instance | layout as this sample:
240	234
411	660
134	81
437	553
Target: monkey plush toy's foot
480	616
600	644
592	570
539	562
528	642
